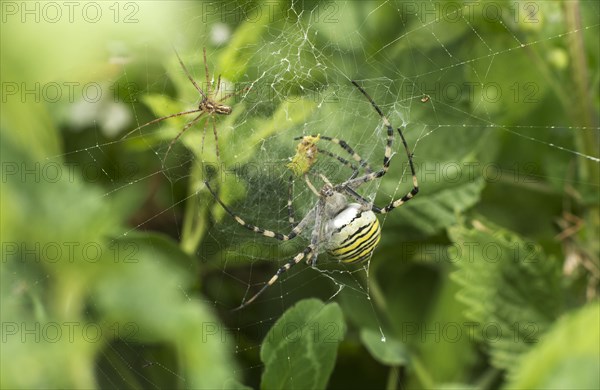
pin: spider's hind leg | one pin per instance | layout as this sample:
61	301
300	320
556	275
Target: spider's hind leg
306	253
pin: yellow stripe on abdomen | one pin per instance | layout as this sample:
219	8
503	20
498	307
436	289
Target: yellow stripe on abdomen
358	245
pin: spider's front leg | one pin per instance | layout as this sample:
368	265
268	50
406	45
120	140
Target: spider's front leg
267	233
367	205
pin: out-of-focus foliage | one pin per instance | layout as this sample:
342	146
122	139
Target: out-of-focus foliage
487	279
566	358
509	283
69	290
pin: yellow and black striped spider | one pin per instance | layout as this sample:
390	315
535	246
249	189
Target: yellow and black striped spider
348	231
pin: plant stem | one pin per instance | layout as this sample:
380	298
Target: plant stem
191	241
392	382
194	219
421	373
587	139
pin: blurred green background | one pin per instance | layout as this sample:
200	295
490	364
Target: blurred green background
119	270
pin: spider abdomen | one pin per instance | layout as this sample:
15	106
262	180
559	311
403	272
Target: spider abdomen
352	234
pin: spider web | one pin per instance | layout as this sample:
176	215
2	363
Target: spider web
298	69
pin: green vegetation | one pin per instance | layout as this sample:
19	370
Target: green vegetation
119	269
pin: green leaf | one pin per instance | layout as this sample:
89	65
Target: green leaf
507	94
512	290
352	14
46	266
567	356
443	206
431	213
156	276
449	353
300	349
62	273
389	352
233	60
232	384
421	34
38	134
289	113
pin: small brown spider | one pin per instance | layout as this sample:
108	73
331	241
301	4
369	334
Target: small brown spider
208	105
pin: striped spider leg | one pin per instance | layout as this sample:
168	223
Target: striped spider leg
296	230
349	232
350	185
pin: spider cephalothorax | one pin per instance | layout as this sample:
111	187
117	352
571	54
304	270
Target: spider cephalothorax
348	231
212	107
